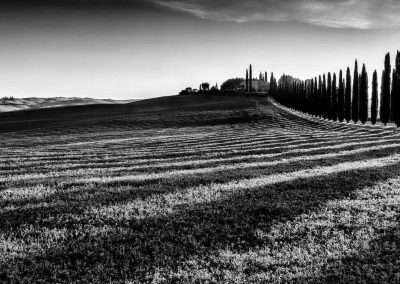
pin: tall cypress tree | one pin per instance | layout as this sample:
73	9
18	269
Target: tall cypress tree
385	94
320	101
324	107
329	96
341	97
303	96
347	103
374	101
251	79
355	103
334	99
311	99
308	95
266	77
315	108
247	80
380	99
364	95
393	95
271	85
397	93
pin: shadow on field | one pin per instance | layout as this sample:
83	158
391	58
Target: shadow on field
77	197
378	264
138	248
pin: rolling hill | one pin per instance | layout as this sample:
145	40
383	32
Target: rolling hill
195	190
159	112
33	103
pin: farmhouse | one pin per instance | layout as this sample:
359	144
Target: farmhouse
258	85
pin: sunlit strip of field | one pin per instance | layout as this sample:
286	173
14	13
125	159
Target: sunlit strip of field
129	157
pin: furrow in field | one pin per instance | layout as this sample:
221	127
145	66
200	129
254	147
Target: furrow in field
154	207
74	176
130	161
168	174
70	157
37	188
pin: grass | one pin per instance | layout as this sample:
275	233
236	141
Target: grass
178	190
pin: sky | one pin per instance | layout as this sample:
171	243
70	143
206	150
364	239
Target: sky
128	49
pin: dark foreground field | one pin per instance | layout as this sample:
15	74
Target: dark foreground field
184	189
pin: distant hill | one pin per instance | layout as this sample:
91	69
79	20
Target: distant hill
7	105
172	111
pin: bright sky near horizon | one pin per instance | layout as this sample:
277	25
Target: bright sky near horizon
140	49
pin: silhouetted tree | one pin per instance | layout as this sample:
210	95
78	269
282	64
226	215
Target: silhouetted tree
355	103
325	105
393	96
311	98
329	96
320	98
385	91
315	104
341	97
231	84
186	91
363	96
247	81
266	77
214	90
347	103
397	92
272	85
250	79
334	99
205	86
374	101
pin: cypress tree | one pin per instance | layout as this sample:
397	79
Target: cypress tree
247	80
266	77
304	97
320	100
312	97
329	96
393	96
271	85
316	107
380	99
347	103
251	79
355	103
364	96
385	91
374	101
397	93
309	96
334	99
324	99
341	97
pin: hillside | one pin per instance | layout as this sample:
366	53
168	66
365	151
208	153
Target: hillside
196	190
33	103
159	112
